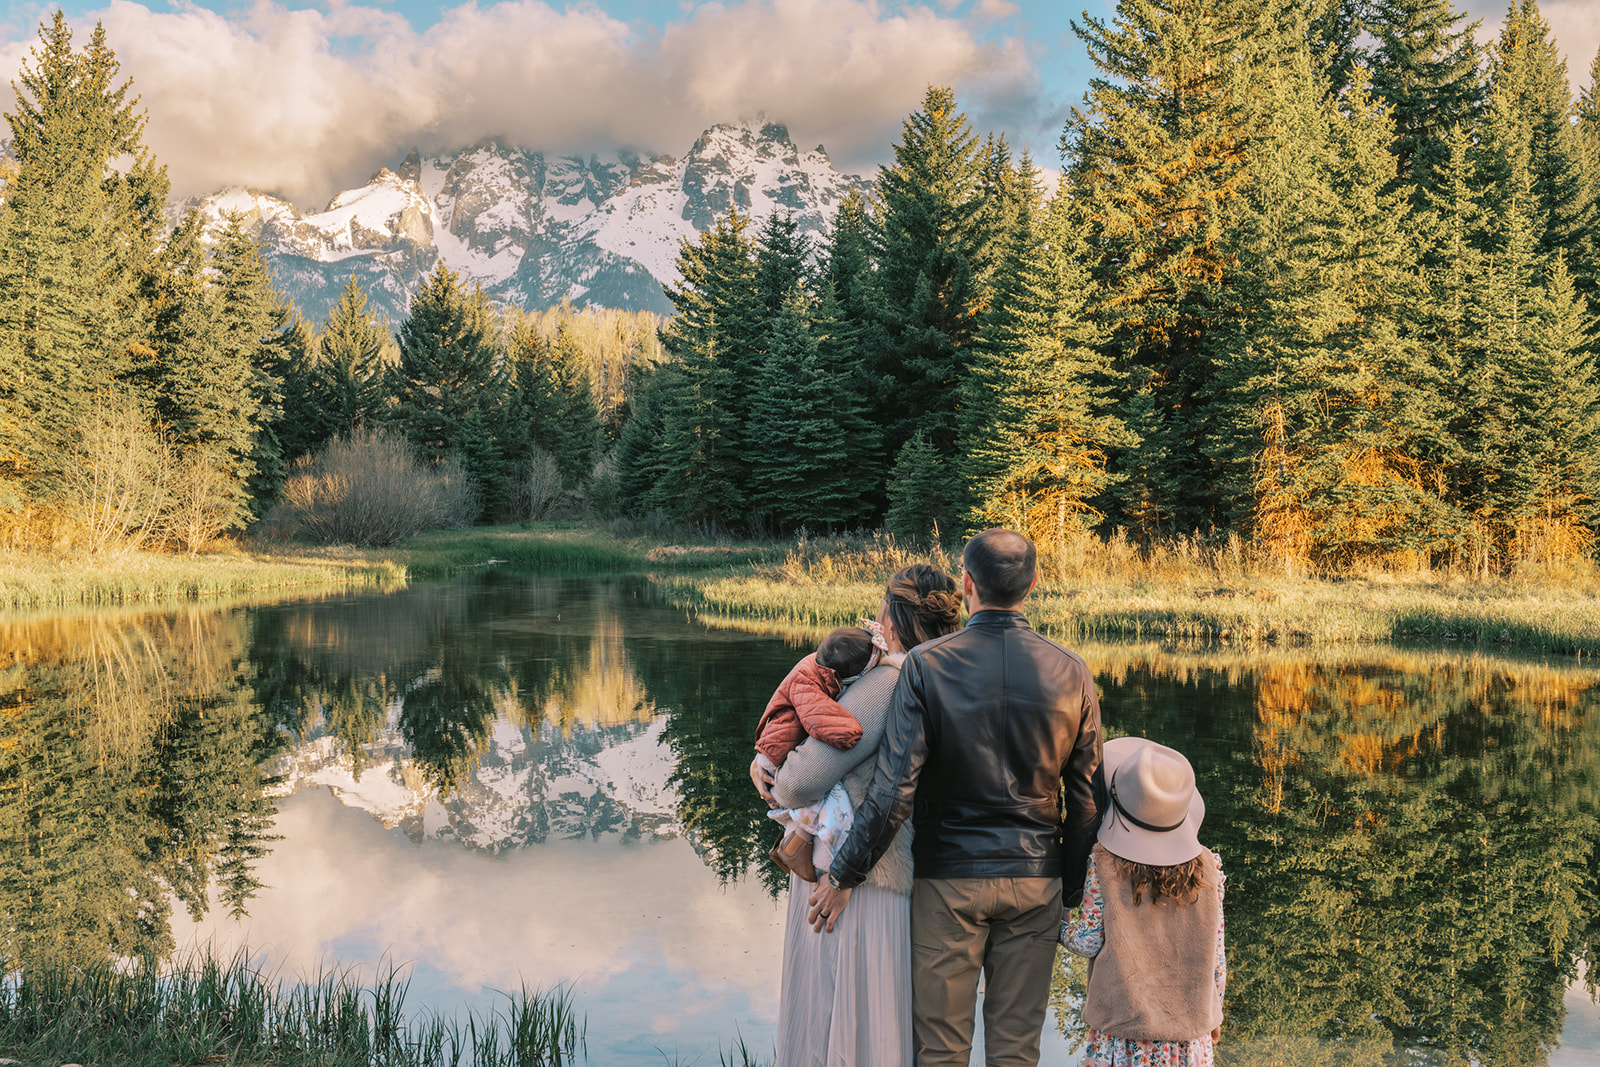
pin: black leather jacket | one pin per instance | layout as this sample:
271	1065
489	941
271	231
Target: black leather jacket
993	749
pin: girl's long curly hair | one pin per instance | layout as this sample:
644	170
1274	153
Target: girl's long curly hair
923	603
1181	881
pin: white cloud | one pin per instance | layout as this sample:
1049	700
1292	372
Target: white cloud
307	102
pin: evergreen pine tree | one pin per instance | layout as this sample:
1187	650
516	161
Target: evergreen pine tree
712	341
351	379
251	320
556	401
1529	128
806	433
64	274
932	247
919	490
449	365
1342	409
1036	432
1426	69
1553	484
782	255
1157	164
639	447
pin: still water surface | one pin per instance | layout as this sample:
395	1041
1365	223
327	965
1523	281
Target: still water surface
508	779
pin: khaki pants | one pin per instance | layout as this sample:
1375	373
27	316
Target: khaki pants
1004	927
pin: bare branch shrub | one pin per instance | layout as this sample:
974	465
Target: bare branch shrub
203	501
539	489
371	489
120	489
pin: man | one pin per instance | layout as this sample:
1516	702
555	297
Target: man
994	740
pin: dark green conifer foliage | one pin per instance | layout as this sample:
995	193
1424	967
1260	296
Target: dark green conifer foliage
1147	487
556	401
1586	260
350	380
1529	128
807	434
932	248
252	321
63	260
1333	31
1553	485
1337	414
1426	68
1036	432
782	255
640	463
1157	164
920	489
449	365
712	341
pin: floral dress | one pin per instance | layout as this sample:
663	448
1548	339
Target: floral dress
1086	936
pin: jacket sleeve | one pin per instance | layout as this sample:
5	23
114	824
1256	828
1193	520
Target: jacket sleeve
820	714
900	758
1082	796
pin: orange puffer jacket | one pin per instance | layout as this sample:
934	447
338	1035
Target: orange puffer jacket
804	706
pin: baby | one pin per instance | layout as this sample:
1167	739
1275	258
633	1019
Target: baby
806	705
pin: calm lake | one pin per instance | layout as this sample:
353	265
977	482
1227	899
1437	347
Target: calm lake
506	780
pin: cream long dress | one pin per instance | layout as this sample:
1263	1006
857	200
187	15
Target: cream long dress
846	995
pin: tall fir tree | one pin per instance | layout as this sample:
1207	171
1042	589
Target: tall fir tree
252	323
555	400
1553	483
1158	165
1529	128
65	258
808	435
350	379
1426	67
1037	432
714	343
1338	410
933	246
449	363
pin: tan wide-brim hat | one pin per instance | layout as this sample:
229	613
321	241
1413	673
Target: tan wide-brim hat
1154	812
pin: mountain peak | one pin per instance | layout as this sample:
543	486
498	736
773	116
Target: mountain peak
533	229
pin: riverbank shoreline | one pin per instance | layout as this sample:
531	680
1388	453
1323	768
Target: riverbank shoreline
812	585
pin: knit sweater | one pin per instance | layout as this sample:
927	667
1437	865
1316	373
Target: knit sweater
1153	980
814	767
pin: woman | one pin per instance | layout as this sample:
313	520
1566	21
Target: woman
846	995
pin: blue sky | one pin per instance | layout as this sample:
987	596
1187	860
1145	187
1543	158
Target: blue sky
304	99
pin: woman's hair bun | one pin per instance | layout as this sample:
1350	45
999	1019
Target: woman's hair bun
939	606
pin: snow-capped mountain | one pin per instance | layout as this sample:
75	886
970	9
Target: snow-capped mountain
522	789
535	230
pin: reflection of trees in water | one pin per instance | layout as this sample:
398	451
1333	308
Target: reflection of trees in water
1411	844
714	687
444	662
129	766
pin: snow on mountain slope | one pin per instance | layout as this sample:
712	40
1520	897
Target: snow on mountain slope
523	789
535	230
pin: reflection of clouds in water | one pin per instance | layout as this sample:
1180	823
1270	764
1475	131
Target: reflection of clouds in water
600	914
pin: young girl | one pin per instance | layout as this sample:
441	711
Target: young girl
806	705
1151	922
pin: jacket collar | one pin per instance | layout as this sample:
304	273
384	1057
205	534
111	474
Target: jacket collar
998	617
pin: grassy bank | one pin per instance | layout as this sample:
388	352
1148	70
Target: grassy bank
38	581
1217	597
203	1010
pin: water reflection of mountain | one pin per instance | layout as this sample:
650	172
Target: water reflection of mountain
1411	837
498	719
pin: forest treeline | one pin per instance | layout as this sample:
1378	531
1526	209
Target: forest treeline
1318	276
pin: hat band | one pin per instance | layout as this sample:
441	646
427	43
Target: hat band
1140	823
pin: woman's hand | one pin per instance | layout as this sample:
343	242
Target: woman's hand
1216	1033
763	780
827	904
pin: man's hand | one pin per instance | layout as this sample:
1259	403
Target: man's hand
827	904
763	782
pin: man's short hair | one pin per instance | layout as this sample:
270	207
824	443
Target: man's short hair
1002	564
